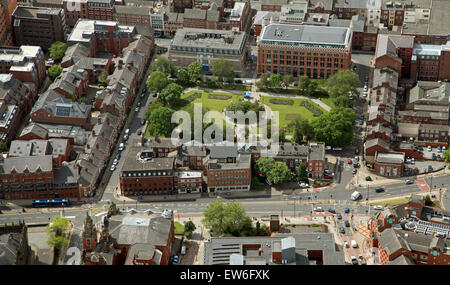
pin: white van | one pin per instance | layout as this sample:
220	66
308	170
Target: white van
355	196
127	131
354	244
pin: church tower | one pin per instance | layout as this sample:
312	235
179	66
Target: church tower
89	234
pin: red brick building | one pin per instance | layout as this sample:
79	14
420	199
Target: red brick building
6	27
317	52
137	239
187	181
34	177
394	51
100	10
26	63
59	149
144	174
389	164
430	62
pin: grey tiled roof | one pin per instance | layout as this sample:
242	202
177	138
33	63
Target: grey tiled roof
35	129
32	163
51	99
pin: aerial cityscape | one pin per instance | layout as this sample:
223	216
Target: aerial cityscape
224	132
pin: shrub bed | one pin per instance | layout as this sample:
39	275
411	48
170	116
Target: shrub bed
193	96
219	96
312	108
281	101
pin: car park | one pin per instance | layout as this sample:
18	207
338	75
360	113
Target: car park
408	181
379	189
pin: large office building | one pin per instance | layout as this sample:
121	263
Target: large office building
203	45
314	51
39	26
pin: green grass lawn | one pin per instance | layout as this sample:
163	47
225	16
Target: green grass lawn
289	112
179	228
327	100
210	104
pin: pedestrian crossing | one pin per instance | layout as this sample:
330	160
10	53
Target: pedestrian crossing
98	210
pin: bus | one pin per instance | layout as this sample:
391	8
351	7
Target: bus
50	203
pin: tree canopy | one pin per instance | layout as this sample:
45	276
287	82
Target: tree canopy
262	82
447	156
229	218
162	64
195	71
275	80
160	122
183	77
102	78
301	128
157	81
54	71
302	173
335	128
222	69
341	84
57	231
275	172
170	95
57	50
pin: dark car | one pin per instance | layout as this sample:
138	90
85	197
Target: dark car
342	230
357	151
430	168
347	224
379	189
339	216
331	210
139	132
238	81
143	122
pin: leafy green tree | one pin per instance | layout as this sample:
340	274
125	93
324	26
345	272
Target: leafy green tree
303	83
342	82
276	80
171	94
301	128
83	100
447	156
3	147
311	88
264	165
57	50
189	226
157	81
262	82
57	231
302	173
235	219
153	106
183	77
279	173
71	97
214	215
288	80
222	69
341	101
162	64
103	77
195	71
160	122
335	128
54	71
58	242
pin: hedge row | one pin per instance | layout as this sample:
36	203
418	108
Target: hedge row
312	108
219	96
281	101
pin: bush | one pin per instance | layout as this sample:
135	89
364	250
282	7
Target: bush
219	96
312	108
281	101
193	96
368	178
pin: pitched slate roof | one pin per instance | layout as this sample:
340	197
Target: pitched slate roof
32	163
51	100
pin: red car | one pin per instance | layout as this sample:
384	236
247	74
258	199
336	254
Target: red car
349	160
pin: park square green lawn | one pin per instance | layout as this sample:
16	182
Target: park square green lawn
211	104
179	228
289	112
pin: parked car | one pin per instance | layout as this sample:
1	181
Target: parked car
361	122
378	207
346	244
439	149
139	104
429	148
347	224
331	210
342	230
346	210
142	94
303	184
127	131
139	133
379	189
143	122
112	168
354	260
137	109
117	156
354	244
125	137
354	171
409	182
430	168
121	147
361	259
238	81
349	160
339	216
357	151
318	209
154	94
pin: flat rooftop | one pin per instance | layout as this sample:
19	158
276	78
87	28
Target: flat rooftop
305	34
438	23
135	161
205	38
32	12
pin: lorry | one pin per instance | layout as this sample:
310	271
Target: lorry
355	196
